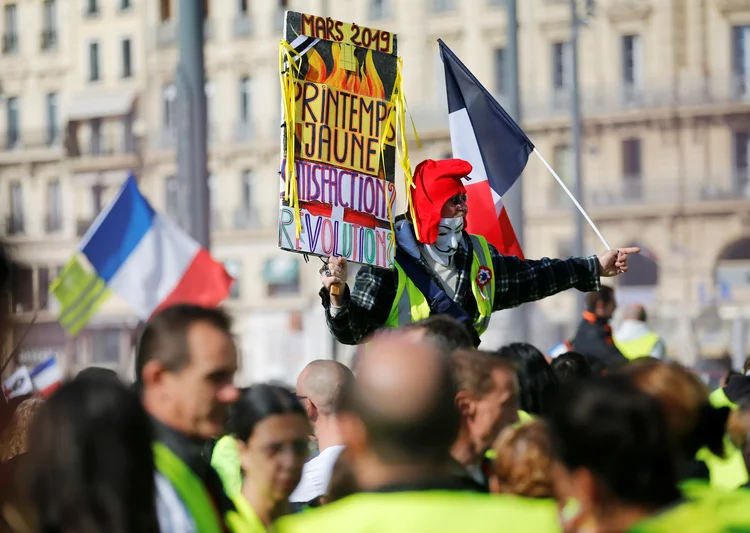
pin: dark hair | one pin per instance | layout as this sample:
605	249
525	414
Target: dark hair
96	373
423	437
536	380
164	336
90	466
605	295
257	403
610	428
571	366
447	332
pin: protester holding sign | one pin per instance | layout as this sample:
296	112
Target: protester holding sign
440	268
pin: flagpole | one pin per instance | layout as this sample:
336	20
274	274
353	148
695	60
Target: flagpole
513	200
577	204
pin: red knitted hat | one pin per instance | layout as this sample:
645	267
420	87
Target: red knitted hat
435	183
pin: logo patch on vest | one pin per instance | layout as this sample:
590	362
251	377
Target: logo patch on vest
484	276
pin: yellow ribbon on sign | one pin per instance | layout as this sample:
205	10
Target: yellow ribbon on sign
288	91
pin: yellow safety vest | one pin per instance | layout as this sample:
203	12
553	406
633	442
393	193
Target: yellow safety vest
433	511
637	348
410	305
194	495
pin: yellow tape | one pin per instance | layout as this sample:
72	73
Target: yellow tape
288	88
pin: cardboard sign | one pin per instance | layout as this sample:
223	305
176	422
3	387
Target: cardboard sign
338	85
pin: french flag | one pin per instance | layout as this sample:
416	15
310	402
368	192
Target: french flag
148	260
46	377
483	134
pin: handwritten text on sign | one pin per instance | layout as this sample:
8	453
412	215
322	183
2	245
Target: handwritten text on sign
341	32
342	128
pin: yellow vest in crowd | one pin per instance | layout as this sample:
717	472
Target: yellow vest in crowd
410	305
712	512
433	511
194	495
637	348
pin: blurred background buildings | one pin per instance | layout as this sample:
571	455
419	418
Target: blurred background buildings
88	94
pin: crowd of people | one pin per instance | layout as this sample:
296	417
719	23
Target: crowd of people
425	433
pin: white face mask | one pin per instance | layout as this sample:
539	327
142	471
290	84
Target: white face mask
448	240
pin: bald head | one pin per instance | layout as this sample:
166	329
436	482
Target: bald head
327	384
635	312
405	398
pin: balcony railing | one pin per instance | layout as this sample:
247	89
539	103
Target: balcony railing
53	222
14	225
246	217
49	40
10	44
243	26
102	147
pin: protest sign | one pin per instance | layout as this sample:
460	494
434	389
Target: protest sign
343	120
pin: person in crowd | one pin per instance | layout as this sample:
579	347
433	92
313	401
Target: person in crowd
571	366
271	429
593	338
537	382
523	462
15	439
225	458
97	373
696	429
90	466
635	339
322	387
733	390
185	363
445	331
487	399
612	456
343	481
442	269
402	423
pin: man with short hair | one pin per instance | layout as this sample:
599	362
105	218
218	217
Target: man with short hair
323	387
593	338
399	429
487	399
447	332
635	339
185	363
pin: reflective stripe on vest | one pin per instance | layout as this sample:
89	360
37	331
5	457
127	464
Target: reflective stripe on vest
193	493
638	348
410	305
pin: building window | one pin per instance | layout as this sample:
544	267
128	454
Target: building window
440	6
92	7
501	69
22	291
53	128
169	98
54	206
631	169
234	269
42	294
172	198
380	9
281	275
165	10
632	67
281	8
245	100
247	189
741	61
563	164
127	65
95	148
742	162
10	35
94	61
105	346
246	217
125	5
13	124
97	198
16	209
561	74
49	32
243	7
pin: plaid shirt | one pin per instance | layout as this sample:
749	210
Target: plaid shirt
516	281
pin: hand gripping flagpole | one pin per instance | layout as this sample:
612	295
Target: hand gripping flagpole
573	198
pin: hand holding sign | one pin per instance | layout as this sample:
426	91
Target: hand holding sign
333	276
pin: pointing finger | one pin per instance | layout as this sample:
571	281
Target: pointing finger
629	250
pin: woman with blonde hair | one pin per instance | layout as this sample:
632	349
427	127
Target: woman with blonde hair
523	462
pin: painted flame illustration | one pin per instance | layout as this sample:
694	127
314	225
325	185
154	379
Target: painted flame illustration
364	80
